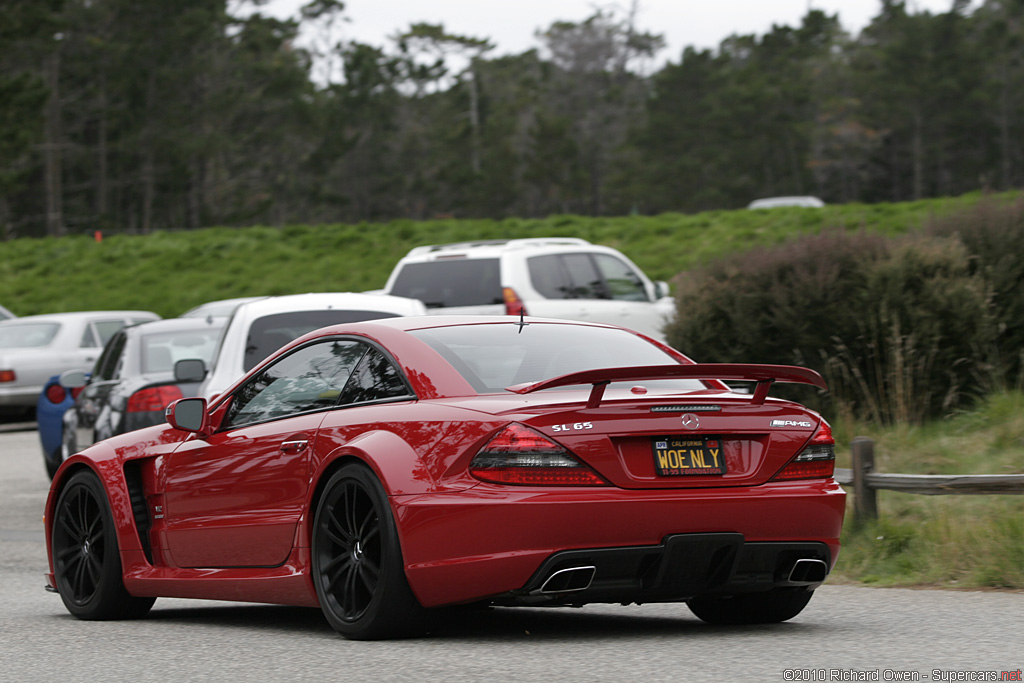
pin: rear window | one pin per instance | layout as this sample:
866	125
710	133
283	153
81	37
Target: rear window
160	351
449	283
271	332
494	356
27	335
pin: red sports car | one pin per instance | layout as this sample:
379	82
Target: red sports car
380	469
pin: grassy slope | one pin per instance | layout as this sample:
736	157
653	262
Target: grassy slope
168	272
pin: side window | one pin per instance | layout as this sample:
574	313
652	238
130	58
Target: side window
106	366
586	281
549	277
375	378
311	378
106	329
88	338
622	282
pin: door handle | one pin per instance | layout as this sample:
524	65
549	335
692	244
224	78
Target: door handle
293	447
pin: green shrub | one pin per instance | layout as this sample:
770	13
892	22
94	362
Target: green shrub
897	326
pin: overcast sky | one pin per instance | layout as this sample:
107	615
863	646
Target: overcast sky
511	23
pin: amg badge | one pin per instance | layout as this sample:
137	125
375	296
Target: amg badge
791	423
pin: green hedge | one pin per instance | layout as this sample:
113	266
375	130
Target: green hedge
903	328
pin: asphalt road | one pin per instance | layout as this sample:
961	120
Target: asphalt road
846	633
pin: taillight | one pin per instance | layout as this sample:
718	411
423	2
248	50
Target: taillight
513	304
153	398
520	455
7	376
55	394
816	461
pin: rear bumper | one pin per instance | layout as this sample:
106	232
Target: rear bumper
679	568
19	396
503	543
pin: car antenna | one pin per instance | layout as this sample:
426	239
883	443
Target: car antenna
522	323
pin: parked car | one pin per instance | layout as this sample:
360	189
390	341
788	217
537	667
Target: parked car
557	277
379	469
258	328
34	347
136	377
776	202
5	314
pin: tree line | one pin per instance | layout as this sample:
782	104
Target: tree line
118	115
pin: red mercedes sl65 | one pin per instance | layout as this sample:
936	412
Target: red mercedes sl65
378	470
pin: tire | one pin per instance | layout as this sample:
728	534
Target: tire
54	461
770	607
357	560
86	559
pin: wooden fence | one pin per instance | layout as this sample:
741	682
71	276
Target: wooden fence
866	481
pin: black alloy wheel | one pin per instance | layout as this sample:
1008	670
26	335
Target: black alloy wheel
86	560
357	561
769	607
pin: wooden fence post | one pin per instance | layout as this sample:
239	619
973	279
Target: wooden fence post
865	507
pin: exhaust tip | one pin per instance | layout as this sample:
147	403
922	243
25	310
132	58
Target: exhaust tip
569	580
807	571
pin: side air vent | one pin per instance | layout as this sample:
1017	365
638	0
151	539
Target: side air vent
133	478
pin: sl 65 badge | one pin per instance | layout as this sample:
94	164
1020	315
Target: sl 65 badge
574	425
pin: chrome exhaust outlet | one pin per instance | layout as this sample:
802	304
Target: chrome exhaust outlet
569	580
807	572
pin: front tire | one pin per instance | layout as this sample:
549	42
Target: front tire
770	607
357	560
86	559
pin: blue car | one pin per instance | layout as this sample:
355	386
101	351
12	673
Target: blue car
53	401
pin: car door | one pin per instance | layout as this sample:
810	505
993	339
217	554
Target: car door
234	498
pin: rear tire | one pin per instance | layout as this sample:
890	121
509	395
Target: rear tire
86	559
357	560
769	607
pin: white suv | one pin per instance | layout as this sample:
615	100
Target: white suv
552	277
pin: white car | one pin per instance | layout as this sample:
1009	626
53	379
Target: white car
258	328
776	202
551	277
5	314
35	347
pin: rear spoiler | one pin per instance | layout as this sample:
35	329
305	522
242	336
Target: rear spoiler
764	375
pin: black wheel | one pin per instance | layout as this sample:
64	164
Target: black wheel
357	561
86	560
770	607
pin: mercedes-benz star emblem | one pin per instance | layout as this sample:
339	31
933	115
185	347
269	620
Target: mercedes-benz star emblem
691	421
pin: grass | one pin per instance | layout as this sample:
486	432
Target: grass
948	541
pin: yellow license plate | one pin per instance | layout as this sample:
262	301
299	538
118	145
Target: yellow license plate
688	456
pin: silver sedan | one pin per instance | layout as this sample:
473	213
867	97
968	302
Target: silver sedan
33	348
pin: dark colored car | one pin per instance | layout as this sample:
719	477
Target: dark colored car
379	469
136	377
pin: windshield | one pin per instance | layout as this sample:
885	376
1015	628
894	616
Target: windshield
495	356
162	350
27	335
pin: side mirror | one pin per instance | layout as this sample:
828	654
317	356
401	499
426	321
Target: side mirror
660	289
188	414
73	379
189	370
